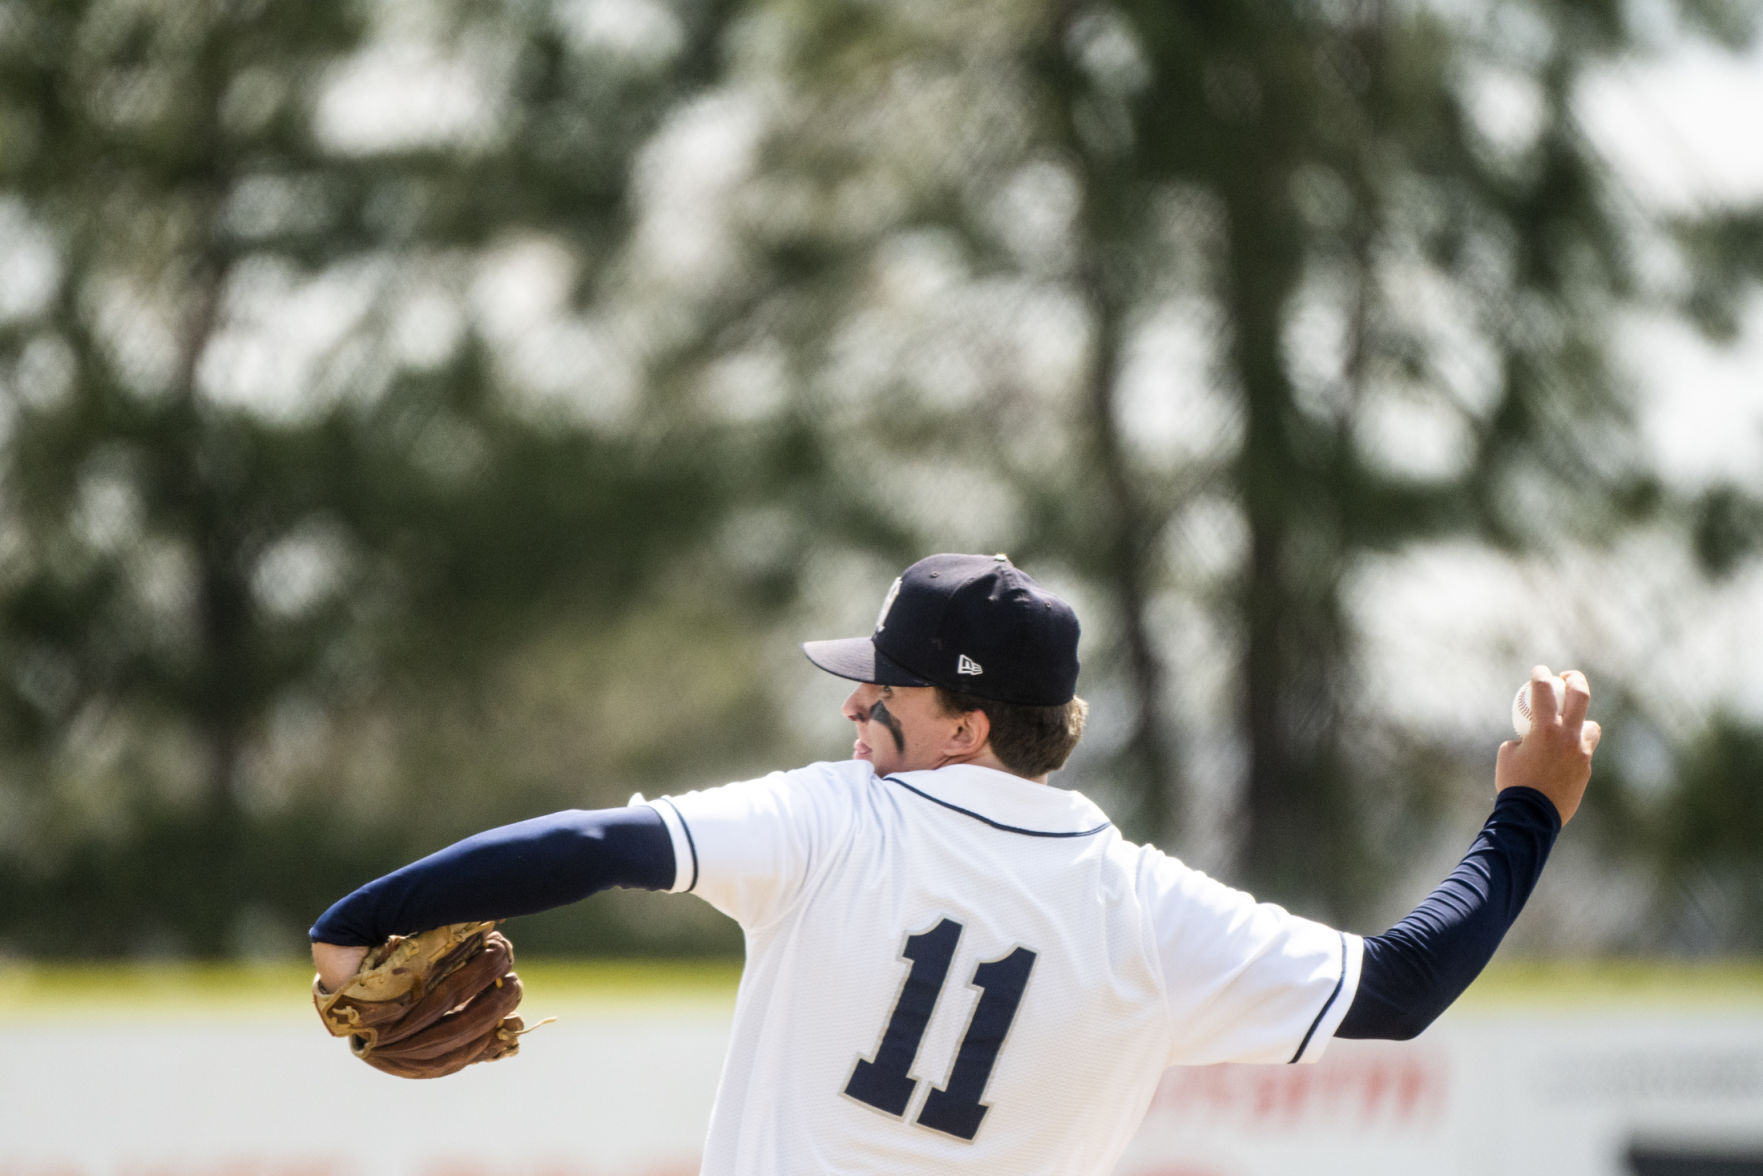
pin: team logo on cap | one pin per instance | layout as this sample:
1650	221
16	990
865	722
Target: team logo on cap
881	618
968	666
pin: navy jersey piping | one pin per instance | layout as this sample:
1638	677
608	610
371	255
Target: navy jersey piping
690	844
984	820
1327	1005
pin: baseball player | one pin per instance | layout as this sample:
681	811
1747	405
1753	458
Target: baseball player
953	966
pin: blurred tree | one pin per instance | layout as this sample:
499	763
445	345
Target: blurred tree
277	454
1698	832
1405	252
415	414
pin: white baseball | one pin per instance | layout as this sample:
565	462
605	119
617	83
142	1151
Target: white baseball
1521	704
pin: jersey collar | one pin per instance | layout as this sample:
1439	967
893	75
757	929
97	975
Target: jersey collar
1006	802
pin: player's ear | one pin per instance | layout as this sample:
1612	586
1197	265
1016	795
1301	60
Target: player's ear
973	730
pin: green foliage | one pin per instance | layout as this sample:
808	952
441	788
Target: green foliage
1695	835
1724	253
1728	530
1322	191
420	416
213	564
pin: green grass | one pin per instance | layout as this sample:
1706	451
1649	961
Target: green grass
28	990
1556	983
123	990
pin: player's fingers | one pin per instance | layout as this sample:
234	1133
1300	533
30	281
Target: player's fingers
1589	735
1544	706
336	965
1579	697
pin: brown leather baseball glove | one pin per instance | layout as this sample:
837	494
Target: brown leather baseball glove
427	1005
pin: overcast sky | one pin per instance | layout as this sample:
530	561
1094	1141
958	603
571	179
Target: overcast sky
1685	134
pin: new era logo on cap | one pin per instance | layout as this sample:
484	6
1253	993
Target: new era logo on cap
973	624
881	620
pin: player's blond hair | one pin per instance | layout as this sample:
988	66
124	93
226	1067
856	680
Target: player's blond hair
1029	740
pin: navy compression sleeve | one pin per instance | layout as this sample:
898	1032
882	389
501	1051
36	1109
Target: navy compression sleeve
517	869
1413	971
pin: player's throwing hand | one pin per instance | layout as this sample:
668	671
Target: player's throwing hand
1555	756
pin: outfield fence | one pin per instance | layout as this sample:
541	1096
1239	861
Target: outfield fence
1556	1072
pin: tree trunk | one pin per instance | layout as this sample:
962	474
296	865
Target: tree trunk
1128	557
1295	826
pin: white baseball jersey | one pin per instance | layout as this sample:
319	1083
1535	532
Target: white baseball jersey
961	970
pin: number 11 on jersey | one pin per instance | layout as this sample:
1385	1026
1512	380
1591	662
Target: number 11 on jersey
885	1083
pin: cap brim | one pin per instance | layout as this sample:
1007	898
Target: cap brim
858	659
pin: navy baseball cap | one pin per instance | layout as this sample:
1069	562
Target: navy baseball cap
974	624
